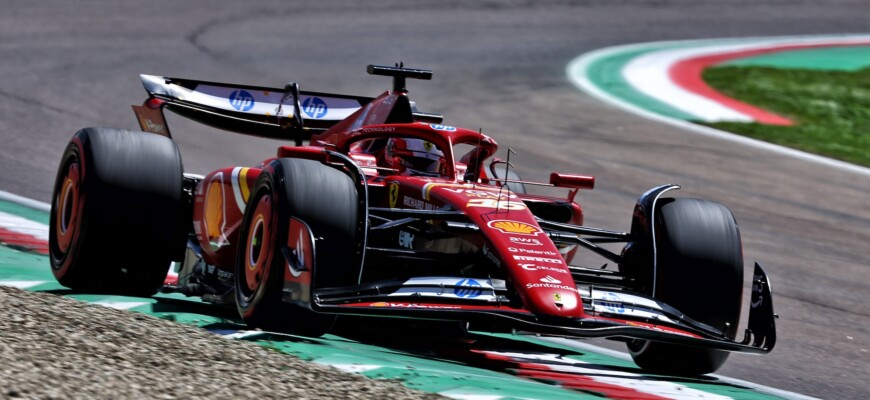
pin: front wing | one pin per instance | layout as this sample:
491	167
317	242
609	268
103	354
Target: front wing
484	302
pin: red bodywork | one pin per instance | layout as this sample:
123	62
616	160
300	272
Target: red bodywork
534	265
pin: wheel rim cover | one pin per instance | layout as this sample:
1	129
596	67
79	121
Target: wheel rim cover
257	248
67	203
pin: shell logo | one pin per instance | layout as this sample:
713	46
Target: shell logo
520	228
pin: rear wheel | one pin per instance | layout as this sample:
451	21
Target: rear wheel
699	272
115	210
291	196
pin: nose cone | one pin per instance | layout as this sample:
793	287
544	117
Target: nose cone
551	296
537	269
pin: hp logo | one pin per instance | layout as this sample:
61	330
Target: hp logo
314	107
470	288
241	100
447	128
614	305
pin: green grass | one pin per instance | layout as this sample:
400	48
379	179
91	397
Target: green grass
830	109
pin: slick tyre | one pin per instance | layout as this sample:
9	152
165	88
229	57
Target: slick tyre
325	200
699	272
115	212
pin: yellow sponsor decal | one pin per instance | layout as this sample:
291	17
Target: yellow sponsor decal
243	184
520	228
214	209
557	296
394	194
497	204
484	192
427	188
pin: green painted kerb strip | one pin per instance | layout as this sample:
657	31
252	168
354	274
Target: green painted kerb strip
24	212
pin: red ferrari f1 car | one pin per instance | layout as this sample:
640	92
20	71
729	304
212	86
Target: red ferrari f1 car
389	212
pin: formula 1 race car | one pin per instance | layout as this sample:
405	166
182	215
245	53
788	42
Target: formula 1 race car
389	212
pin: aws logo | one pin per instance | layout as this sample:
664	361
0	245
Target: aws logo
525	241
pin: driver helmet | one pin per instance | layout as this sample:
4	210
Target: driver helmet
414	157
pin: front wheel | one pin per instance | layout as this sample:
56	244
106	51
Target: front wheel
699	271
294	201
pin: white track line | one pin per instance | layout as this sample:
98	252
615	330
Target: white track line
22	284
121	305
24	201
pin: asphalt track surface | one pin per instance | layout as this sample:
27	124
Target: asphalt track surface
498	66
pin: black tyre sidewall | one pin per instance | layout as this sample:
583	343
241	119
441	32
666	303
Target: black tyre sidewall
326	200
130	202
61	261
699	272
700	261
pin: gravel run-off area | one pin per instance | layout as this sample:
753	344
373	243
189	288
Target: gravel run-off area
52	347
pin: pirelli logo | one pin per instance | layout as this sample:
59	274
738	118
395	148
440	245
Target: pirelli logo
538	259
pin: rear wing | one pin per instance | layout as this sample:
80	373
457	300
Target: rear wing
286	113
253	110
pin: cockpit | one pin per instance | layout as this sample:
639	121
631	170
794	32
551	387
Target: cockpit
407	156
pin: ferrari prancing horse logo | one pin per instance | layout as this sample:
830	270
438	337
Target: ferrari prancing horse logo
394	194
